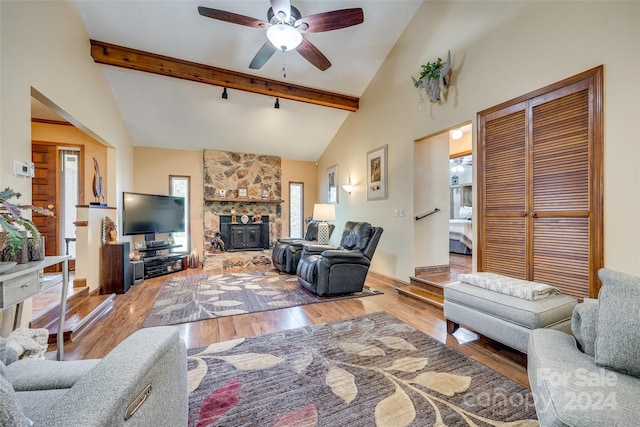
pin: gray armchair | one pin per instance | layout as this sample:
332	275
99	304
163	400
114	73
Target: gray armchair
141	382
327	270
287	250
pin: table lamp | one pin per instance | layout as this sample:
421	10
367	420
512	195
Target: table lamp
323	213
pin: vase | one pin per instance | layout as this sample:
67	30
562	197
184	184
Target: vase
36	251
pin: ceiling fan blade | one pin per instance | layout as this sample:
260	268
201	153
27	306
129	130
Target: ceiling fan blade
266	51
234	18
283	6
327	21
313	55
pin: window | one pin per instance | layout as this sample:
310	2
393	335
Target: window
69	190
296	209
179	186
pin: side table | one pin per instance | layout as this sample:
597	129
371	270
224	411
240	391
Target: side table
26	280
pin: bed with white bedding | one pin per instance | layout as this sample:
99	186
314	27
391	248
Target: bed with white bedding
460	236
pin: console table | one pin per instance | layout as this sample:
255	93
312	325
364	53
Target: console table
26	280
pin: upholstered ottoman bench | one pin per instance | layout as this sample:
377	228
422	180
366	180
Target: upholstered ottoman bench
504	318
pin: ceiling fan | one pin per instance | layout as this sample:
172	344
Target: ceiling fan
286	27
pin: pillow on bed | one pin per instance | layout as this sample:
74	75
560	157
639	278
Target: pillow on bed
465	212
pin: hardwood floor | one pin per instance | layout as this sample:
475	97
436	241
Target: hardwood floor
130	310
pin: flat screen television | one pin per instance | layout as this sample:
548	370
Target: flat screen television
151	214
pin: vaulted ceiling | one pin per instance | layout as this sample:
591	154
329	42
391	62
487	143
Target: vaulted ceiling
162	111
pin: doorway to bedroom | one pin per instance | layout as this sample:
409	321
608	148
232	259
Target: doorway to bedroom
443	206
461	197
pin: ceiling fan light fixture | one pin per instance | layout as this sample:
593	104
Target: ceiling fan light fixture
284	36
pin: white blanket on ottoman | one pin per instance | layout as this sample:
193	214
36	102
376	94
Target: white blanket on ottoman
524	289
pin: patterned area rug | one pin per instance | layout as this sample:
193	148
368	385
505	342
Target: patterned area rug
191	298
368	371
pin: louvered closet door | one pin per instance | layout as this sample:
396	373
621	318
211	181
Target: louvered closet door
502	234
561	214
540	192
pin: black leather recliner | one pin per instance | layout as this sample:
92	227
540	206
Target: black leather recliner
327	270
287	250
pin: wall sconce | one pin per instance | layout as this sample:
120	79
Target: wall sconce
349	186
225	95
277	104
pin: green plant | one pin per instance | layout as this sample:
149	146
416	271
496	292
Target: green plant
430	70
12	222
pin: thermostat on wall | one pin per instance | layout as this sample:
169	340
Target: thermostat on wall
24	169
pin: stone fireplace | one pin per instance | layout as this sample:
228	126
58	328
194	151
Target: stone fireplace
249	184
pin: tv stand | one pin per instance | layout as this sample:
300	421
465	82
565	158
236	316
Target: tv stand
156	264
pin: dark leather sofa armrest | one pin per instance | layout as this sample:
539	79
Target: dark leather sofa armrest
317	248
292	240
343	256
342	253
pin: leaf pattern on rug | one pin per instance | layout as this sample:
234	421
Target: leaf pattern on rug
443	382
342	383
341	367
396	410
197	374
301	363
268	293
191	298
408	364
252	361
361	349
219	347
304	417
211	292
230	288
171	308
219	402
396	343
226	303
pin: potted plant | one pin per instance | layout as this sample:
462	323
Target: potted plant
13	224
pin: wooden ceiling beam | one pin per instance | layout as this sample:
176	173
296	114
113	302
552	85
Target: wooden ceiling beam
120	56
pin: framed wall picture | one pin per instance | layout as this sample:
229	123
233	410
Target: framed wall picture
242	192
332	184
377	174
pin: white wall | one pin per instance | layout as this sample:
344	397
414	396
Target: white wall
44	51
431	191
500	50
45	47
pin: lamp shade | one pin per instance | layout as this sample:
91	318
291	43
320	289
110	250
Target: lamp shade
324	212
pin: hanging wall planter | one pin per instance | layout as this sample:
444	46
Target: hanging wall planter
434	80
